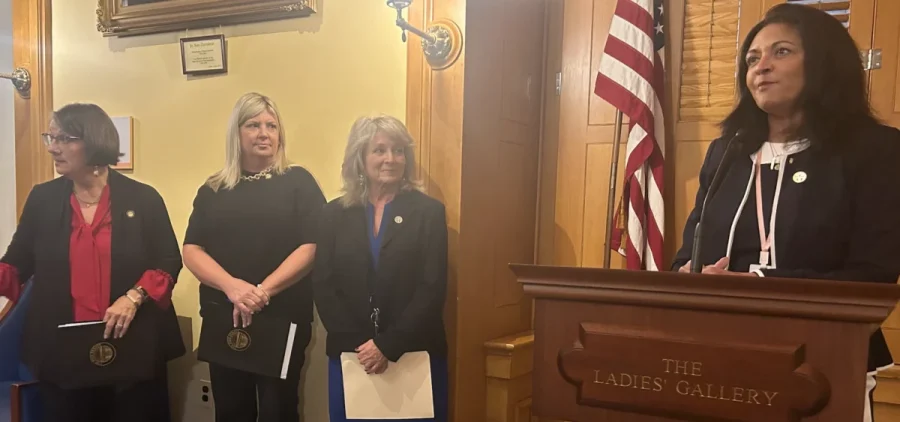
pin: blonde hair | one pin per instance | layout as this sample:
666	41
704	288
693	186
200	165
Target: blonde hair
353	170
247	107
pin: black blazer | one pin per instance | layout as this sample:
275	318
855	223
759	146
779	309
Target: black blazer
842	225
142	239
409	285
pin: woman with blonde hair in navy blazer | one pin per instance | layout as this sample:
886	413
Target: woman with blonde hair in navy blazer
381	264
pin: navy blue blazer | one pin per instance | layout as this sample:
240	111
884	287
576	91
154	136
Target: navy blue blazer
843	223
410	283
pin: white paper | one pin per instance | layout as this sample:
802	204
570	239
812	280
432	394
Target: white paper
285	363
78	324
403	391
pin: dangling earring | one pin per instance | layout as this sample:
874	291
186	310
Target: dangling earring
96	170
362	180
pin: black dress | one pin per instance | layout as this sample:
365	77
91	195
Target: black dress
250	230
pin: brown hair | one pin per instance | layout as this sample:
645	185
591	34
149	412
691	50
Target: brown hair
90	124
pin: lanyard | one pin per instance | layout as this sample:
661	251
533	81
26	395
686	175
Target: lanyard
767	242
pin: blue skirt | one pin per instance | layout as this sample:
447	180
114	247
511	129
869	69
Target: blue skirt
438	388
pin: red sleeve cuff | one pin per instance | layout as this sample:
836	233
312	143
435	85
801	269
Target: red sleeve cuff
158	285
10	286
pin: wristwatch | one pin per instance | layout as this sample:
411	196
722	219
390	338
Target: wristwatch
141	292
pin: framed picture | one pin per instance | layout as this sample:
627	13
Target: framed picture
125	127
203	55
120	18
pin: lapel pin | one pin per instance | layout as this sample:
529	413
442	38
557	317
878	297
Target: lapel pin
799	177
398	219
129	213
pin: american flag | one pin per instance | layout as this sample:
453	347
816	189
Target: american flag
632	79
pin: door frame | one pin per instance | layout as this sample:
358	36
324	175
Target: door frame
32	50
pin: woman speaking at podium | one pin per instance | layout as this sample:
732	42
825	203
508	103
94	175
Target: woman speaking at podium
801	151
99	246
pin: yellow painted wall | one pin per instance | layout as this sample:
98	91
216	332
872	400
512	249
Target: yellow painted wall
323	72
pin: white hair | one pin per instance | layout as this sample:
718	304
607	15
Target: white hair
247	107
353	171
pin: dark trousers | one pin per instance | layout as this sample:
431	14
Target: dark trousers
146	401
245	397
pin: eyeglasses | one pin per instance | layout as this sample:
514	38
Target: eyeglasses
60	139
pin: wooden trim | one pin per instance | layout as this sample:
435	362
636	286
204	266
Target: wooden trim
113	19
4	310
32	50
674	48
15	399
510	357
418	91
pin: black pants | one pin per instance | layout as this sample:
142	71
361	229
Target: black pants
146	401
238	394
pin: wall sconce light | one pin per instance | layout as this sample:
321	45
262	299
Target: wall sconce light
21	79
441	42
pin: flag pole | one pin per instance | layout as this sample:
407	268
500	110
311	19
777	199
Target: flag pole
611	200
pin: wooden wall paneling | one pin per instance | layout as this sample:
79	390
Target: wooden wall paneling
32	49
548	159
501	131
508	367
887	396
885	82
674	26
477	123
586	130
418	91
596	196
434	116
573	115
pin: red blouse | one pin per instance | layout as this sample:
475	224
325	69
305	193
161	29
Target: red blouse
90	247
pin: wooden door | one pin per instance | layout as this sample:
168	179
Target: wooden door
31	30
583	141
885	82
7	136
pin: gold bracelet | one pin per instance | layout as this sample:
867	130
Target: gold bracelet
268	297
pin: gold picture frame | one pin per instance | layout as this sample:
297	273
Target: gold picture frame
119	18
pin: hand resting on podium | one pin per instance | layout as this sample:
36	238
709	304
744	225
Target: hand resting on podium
720	268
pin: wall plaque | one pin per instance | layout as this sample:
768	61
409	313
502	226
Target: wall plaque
657	374
203	55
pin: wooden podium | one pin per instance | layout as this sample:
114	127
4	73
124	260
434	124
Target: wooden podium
626	346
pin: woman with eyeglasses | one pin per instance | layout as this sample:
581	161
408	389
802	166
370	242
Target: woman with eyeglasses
98	246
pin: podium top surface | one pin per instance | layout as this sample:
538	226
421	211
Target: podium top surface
793	297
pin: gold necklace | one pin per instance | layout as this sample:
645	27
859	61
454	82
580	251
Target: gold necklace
265	174
87	204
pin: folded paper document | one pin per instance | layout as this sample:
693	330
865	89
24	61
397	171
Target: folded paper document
403	391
